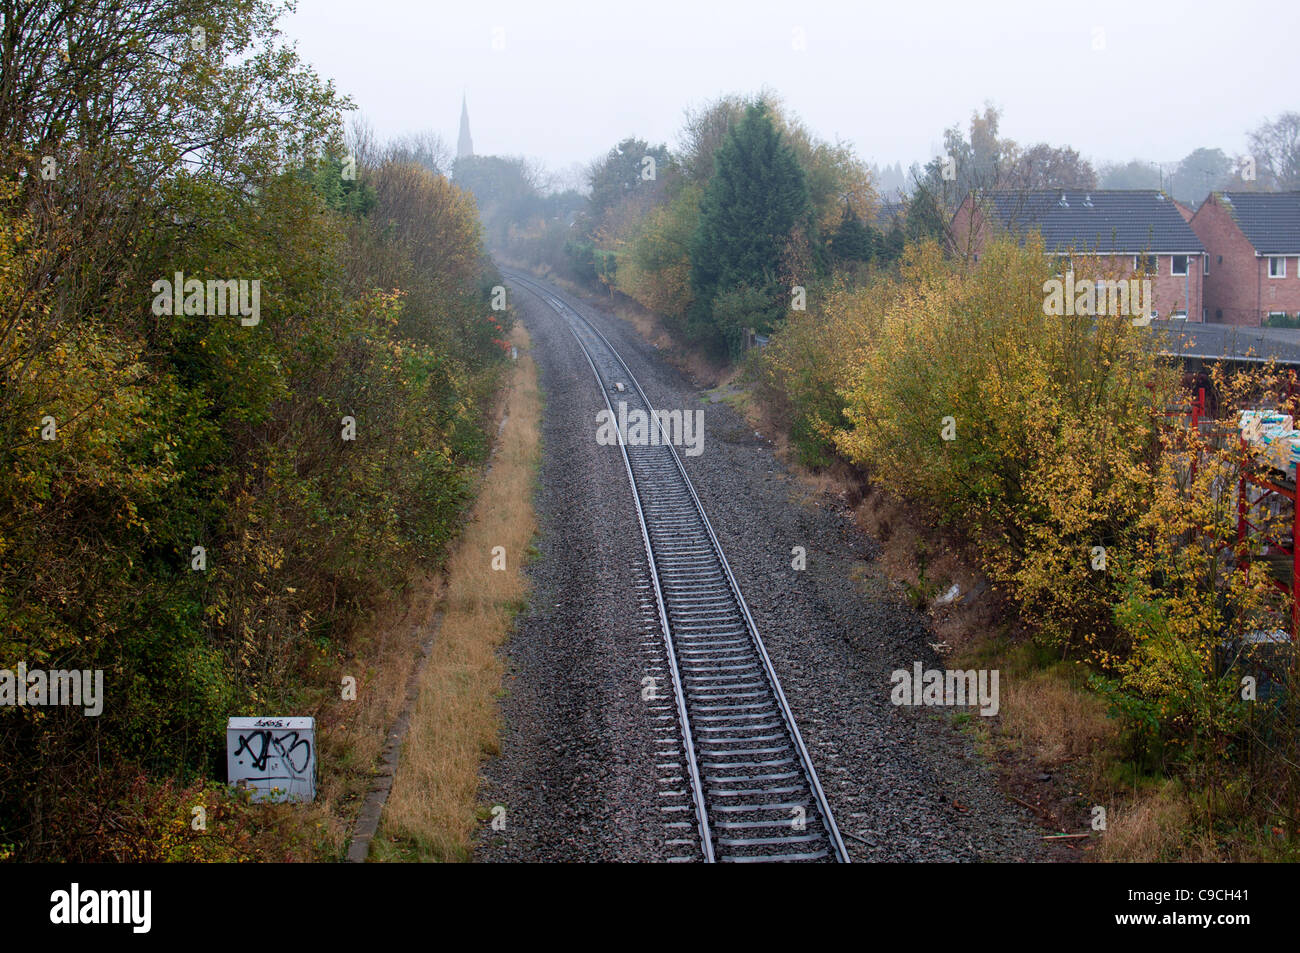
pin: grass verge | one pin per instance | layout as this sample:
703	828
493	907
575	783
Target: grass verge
432	811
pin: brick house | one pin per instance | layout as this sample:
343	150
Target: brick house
1136	232
1253	245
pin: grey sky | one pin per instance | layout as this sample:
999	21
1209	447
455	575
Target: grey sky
576	77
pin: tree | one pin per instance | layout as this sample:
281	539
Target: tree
623	172
655	268
852	240
506	189
835	176
1201	172
891	249
1046	167
757	196
975	163
1276	149
1134	174
425	149
927	218
704	132
979	161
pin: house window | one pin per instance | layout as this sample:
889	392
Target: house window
1145	264
1178	316
1277	267
1205	315
1178	264
1205	262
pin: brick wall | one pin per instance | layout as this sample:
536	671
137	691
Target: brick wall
1238	289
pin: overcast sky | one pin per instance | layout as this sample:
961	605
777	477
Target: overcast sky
573	78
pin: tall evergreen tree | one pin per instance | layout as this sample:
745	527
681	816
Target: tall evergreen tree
853	240
757	195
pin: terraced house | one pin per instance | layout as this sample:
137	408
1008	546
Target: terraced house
1117	233
1253	241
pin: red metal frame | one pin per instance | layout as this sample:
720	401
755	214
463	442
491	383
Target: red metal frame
1197	412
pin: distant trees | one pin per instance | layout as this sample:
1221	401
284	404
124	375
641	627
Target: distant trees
1201	172
1275	146
1134	174
1274	154
888	179
1049	167
982	160
756	198
425	149
507	190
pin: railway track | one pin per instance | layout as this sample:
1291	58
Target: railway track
744	769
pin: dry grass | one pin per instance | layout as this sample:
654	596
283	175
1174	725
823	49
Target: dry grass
1042	711
431	812
352	734
648	326
1151	828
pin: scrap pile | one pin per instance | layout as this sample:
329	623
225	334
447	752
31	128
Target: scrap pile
1273	438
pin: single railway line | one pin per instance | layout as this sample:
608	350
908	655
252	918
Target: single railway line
750	780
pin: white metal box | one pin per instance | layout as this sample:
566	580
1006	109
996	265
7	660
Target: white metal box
275	757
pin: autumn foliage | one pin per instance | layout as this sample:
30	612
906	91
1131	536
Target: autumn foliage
1061	450
132	153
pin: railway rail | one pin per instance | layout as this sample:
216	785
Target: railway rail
750	781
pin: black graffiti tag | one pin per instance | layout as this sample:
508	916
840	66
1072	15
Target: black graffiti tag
289	746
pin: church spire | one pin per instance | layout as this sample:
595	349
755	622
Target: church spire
464	145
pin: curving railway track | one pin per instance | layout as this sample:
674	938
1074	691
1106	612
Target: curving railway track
745	771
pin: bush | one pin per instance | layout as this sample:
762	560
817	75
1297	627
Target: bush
177	431
1113	527
1032	431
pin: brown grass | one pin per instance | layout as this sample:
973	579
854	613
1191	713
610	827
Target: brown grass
352	733
431	812
1056	720
1150	828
